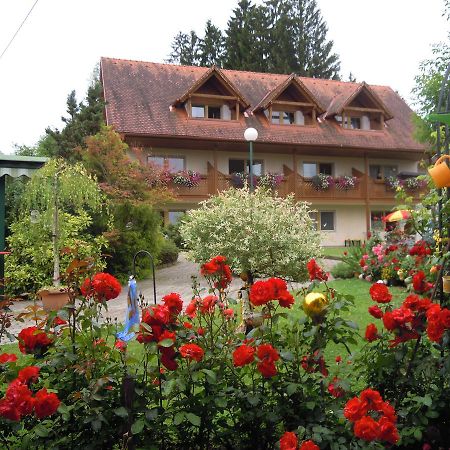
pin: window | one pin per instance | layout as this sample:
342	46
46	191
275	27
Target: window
312	169
326	220
380	172
171	163
243	165
323	220
354	123
287	118
206	111
174	216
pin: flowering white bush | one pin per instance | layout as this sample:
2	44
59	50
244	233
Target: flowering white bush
268	236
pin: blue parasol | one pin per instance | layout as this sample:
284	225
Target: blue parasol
132	317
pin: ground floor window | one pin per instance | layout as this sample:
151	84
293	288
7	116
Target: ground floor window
324	220
174	216
172	164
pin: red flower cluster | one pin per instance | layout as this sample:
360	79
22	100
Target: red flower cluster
155	327
263	292
371	333
19	401
357	410
218	270
267	355
375	311
438	322
33	340
380	293
6	358
315	363
289	441
192	352
101	287
315	271
420	284
420	248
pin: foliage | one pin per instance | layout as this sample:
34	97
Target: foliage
168	252
172	232
342	270
30	265
265	235
279	36
136	227
322	182
121	178
186	178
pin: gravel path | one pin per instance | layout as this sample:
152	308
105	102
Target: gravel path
175	278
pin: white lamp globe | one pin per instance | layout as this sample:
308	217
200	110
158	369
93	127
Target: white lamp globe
251	134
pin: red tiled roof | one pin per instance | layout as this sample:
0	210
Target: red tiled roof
139	94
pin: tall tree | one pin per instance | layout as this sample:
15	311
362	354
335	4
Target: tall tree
211	47
185	49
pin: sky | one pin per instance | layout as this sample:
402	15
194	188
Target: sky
380	42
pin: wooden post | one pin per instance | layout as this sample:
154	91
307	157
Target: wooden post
294	162
2	232
215	181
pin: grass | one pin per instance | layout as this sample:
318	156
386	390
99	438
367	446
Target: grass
334	252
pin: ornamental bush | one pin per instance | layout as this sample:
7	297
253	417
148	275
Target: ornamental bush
266	235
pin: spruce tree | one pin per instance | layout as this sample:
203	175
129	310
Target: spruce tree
211	47
185	49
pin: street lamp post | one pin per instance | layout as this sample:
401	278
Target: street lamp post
250	135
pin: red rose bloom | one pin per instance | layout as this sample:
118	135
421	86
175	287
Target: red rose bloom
366	428
243	355
8	410
120	345
33	340
371	333
262	292
174	303
309	445
29	374
207	304
45	404
380	293
20	396
355	409
285	299
57	322
420	284
387	431
288	441
191	309
228	313
168	358
279	286
6	357
103	286
192	351
267	356
315	271
217	269
372	398
375	311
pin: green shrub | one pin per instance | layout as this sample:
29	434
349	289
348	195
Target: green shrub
168	252
172	231
342	270
136	227
257	232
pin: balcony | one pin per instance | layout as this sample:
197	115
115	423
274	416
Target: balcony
303	188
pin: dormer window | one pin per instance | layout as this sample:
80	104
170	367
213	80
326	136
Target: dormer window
206	112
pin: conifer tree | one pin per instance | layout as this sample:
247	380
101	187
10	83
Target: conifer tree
185	49
211	47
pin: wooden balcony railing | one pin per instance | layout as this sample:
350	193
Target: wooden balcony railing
303	188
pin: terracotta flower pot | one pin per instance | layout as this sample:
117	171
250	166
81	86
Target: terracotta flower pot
53	298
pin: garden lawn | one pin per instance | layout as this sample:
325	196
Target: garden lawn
334	252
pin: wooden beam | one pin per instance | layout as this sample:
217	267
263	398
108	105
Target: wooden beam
282	102
355	108
215	182
295	164
215	96
366	194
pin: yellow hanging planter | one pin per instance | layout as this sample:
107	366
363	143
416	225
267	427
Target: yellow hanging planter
440	172
315	304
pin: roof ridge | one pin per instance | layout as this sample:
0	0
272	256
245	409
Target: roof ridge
152	62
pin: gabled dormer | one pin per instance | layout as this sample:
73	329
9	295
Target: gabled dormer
290	103
361	109
213	97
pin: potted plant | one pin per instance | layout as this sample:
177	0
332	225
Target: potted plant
270	180
322	182
186	178
58	188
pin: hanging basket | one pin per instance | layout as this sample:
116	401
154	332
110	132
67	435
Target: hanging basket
440	173
53	298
